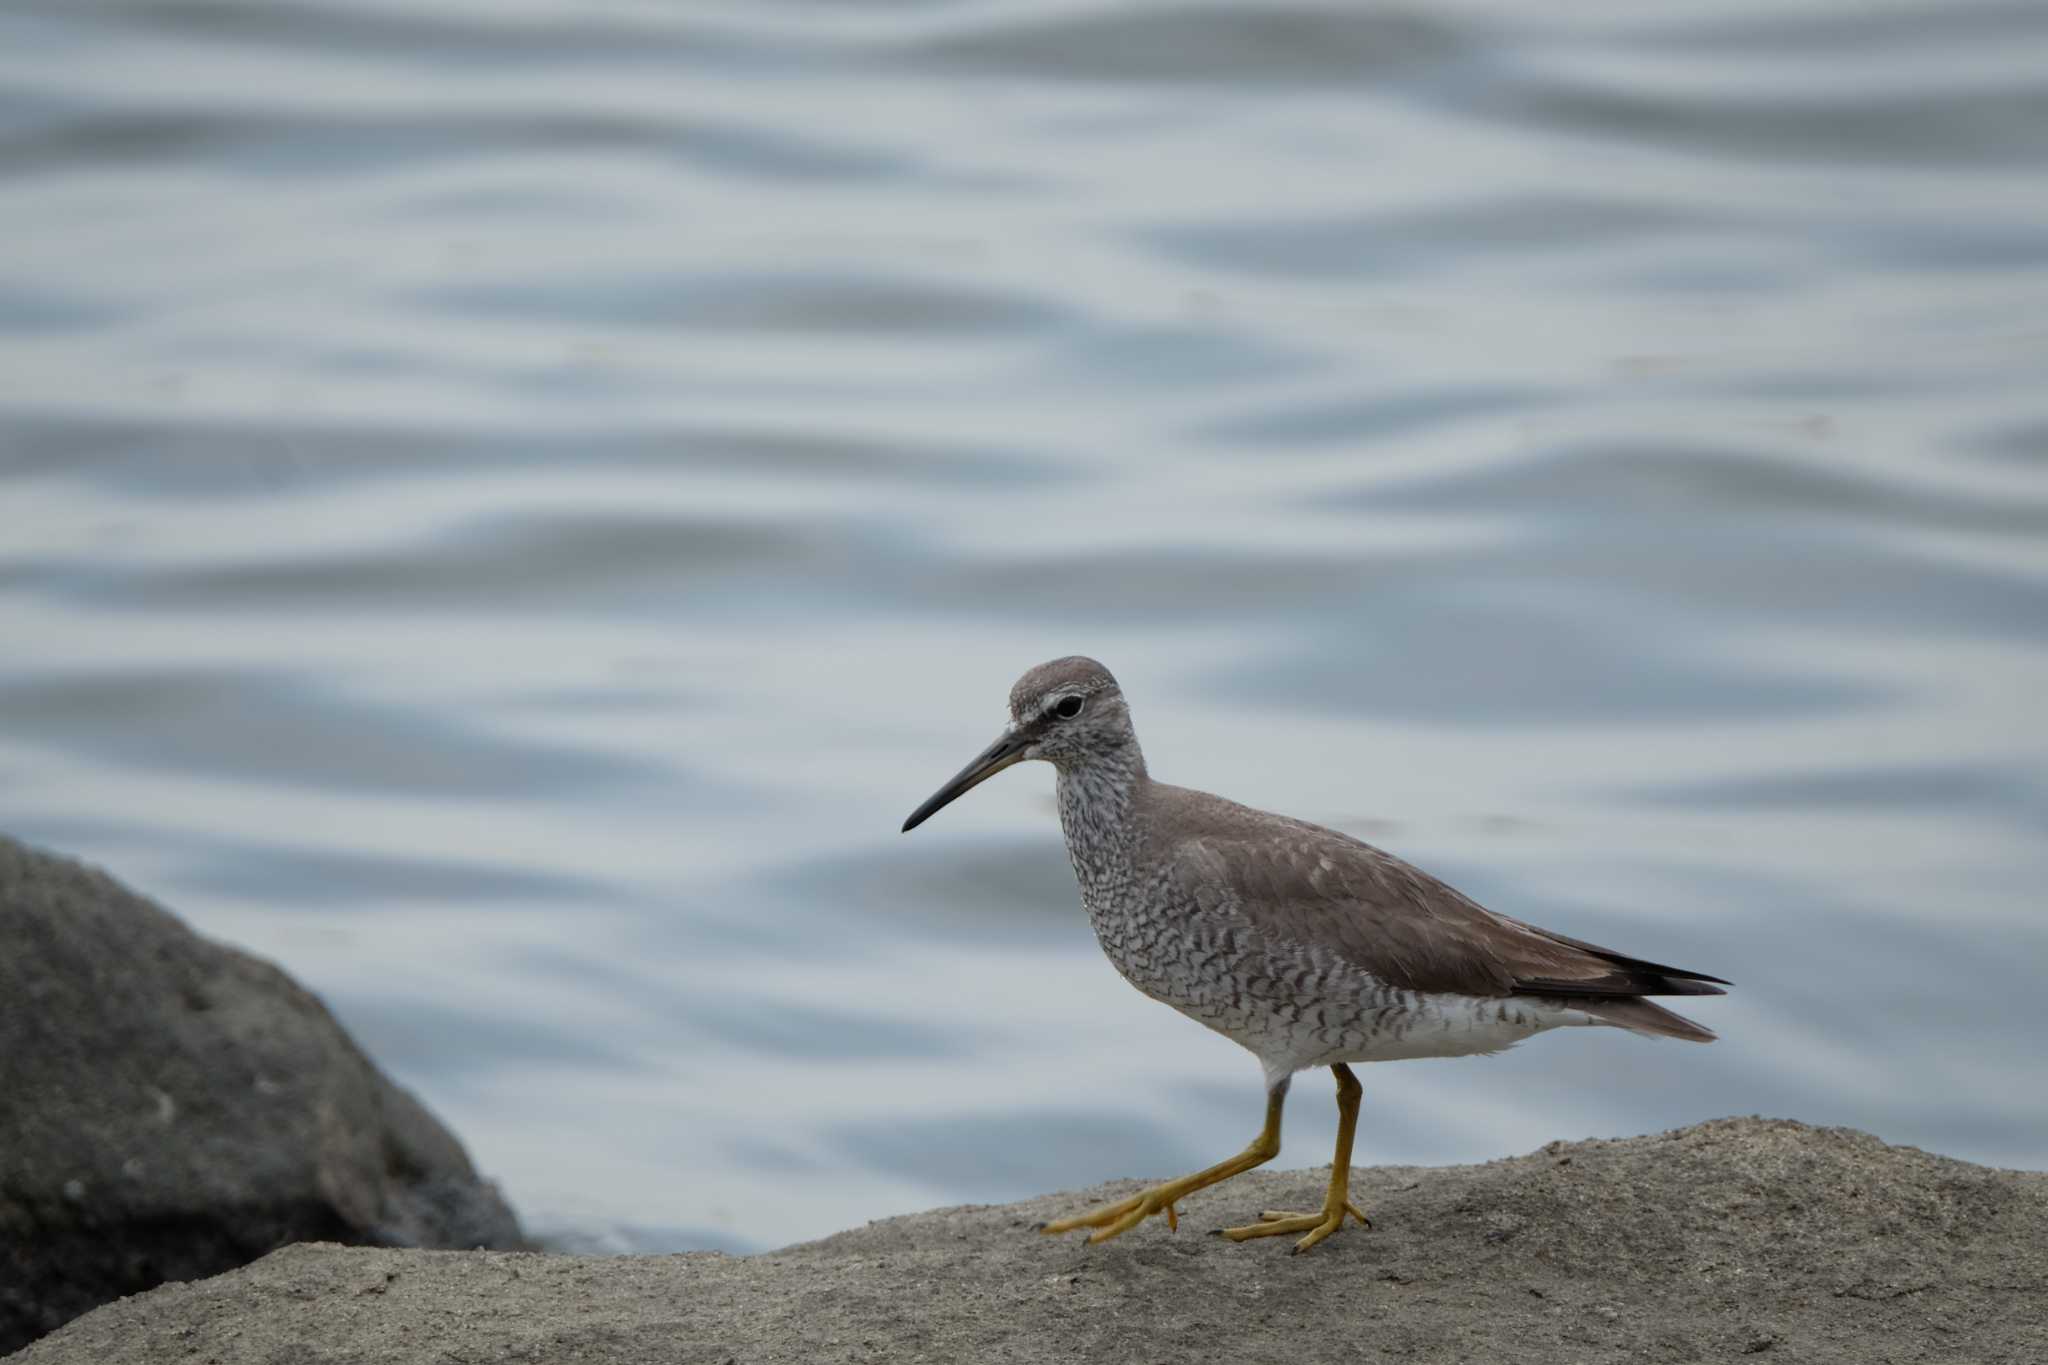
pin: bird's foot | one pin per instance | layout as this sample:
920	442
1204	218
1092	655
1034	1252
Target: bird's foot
1112	1220
1318	1225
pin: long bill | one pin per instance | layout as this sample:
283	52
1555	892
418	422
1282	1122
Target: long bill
1008	749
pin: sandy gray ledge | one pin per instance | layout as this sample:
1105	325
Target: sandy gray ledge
1730	1239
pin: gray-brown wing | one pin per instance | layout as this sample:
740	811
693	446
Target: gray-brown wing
1313	886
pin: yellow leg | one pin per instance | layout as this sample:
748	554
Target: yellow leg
1337	1202
1120	1217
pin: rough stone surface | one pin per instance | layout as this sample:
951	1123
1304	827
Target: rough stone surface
1736	1239
172	1108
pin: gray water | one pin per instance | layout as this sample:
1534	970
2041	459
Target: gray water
508	503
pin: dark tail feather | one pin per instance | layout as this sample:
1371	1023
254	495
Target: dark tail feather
1628	976
1640	1016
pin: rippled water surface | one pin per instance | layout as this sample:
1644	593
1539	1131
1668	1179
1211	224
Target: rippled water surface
507	505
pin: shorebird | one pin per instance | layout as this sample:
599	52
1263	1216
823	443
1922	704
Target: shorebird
1306	946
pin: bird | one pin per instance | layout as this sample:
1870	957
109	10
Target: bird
1304	945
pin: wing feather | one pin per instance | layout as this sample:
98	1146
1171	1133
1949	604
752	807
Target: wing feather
1317	887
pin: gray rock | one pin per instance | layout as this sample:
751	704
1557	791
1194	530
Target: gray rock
171	1108
1733	1239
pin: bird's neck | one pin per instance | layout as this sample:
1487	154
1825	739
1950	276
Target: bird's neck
1098	813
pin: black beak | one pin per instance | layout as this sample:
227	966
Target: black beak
1006	750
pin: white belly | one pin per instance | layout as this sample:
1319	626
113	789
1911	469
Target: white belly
1437	1026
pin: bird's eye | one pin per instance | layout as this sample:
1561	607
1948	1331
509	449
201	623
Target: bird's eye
1067	708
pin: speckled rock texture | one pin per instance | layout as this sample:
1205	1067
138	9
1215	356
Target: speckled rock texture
171	1108
1733	1240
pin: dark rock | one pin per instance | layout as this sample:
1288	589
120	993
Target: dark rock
1732	1239
171	1108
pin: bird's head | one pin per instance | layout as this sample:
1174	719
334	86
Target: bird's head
1068	712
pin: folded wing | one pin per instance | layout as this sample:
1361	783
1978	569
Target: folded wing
1395	921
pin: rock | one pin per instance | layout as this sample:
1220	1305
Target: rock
171	1108
1737	1238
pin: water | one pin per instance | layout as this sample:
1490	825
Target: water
507	505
